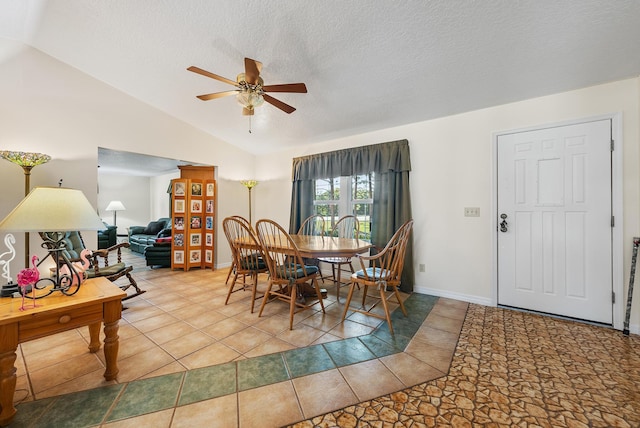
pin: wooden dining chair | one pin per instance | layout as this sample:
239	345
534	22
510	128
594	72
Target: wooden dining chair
382	271
233	264
346	227
290	279
247	256
312	225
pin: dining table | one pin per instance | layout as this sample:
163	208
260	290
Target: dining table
313	247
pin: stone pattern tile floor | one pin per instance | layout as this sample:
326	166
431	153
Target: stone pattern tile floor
516	369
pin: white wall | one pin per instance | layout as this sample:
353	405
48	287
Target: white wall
49	107
452	165
133	192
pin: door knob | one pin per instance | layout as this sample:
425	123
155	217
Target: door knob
503	223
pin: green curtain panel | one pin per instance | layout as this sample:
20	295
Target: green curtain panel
391	200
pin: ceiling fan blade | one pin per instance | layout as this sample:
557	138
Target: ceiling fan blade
217	95
211	75
289	87
277	103
247	112
252	70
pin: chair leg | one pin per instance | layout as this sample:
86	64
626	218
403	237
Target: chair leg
337	279
397	293
385	305
233	283
132	282
231	269
364	294
254	278
292	303
265	298
318	293
349	296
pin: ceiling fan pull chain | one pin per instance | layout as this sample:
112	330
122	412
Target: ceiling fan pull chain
249	124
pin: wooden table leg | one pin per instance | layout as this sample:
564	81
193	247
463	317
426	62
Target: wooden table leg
94	335
112	311
8	347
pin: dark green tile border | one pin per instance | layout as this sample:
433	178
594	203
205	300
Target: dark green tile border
308	360
208	382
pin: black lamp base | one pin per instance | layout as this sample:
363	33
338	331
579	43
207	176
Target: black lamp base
9	289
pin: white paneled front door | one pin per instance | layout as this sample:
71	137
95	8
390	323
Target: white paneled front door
554	225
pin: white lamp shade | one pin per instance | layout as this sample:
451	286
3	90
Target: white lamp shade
115	206
52	209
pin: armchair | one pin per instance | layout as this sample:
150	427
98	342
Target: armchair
107	237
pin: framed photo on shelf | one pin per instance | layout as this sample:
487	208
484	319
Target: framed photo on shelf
194	256
196	222
178	257
209	206
178	206
196	189
178	240
209	191
178	223
196	206
209	221
195	239
178	189
208	240
208	256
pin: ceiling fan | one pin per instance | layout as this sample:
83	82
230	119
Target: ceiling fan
250	88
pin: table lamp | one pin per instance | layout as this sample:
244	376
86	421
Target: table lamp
53	211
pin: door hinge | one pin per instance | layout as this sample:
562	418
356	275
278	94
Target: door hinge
613	221
613	144
613	297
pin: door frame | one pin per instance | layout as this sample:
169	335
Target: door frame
617	208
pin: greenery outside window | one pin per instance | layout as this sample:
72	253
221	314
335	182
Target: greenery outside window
332	203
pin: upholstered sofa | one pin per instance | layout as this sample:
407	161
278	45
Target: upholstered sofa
107	237
141	237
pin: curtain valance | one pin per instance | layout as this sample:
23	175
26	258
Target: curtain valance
380	158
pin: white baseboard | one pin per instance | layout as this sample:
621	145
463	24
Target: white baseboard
453	295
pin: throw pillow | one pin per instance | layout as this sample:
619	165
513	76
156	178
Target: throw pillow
153	228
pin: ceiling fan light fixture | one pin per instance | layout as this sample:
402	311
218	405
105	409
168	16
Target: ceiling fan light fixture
250	99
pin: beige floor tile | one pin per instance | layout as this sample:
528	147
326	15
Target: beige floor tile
143	363
134	314
63	371
204	319
327	337
439	358
323	392
170	332
436	337
224	328
301	335
410	370
153	323
187	344
440	322
246	339
370	379
449	311
350	329
94	379
321	321
271	346
217	412
23	390
174	367
189	311
216	353
46	343
268	406
272	324
52	356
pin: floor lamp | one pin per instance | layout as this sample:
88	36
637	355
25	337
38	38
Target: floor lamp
249	184
27	161
115	206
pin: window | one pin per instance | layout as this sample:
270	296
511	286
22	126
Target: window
355	198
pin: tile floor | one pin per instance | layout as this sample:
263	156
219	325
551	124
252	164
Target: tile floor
186	359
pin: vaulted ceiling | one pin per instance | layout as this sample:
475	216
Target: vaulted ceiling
367	64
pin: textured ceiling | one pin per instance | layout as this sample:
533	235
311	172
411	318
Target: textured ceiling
367	64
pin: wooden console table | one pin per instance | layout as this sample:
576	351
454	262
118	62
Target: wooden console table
98	301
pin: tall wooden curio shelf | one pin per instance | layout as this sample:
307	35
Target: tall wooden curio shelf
194	218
